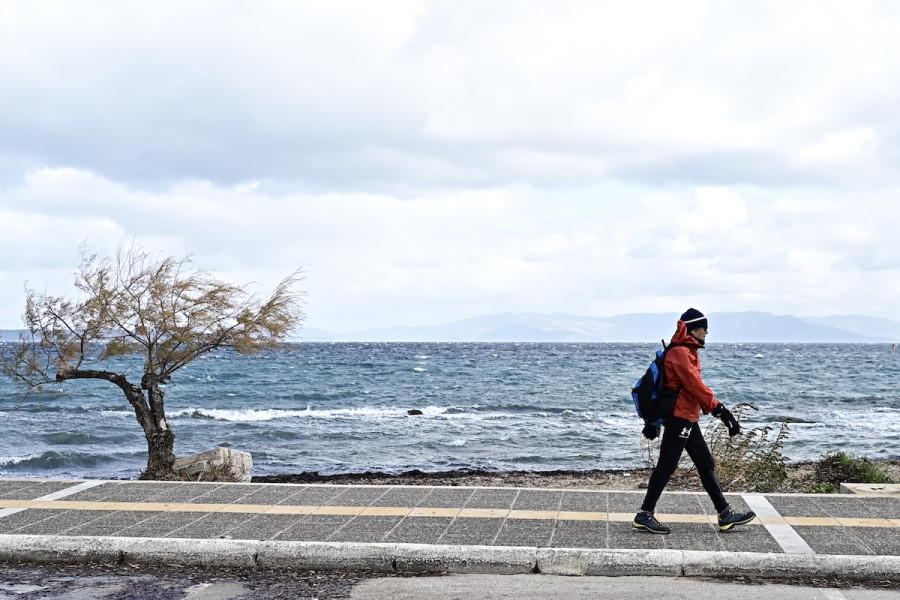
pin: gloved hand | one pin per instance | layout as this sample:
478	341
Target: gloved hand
731	423
651	432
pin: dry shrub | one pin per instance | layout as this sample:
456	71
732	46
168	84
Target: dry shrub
750	462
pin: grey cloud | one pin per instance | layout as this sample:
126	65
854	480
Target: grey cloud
321	101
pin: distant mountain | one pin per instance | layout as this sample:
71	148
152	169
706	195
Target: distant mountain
641	327
647	327
868	326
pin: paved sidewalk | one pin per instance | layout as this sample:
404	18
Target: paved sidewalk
443	529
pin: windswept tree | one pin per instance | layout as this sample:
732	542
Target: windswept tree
162	309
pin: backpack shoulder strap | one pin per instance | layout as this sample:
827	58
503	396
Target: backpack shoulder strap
666	353
668	347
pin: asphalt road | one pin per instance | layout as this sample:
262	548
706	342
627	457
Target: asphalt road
124	582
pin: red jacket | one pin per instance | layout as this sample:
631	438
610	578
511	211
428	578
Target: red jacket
683	370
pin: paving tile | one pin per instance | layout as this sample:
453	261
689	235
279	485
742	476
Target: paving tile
886	508
130	491
268	495
736	501
365	529
363	496
692	536
472	531
418	530
7	485
845	506
683	504
538	500
818	506
110	523
160	525
18	490
479	516
402	497
580	534
185	492
263	527
748	538
61	522
492	498
585	502
225	494
623	535
625	502
446	498
314	528
99	493
40	488
833	540
211	525
16	521
879	541
313	496
525	533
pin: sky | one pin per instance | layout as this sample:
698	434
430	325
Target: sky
429	161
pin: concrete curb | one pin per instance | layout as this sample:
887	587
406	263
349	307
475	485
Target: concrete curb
422	558
577	561
694	563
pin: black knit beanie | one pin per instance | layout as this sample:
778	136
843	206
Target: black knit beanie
694	319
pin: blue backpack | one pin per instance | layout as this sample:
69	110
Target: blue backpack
653	401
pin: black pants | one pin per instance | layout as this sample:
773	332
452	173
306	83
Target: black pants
678	435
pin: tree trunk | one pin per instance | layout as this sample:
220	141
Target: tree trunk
160	439
151	414
160	455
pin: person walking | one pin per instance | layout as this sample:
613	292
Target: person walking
682	432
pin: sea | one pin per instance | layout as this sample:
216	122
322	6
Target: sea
345	407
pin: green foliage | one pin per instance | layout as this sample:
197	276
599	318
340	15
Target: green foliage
820	488
846	468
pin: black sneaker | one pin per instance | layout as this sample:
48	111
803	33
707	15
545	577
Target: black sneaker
728	519
645	521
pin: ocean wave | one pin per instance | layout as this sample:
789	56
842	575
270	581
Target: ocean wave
274	414
28	407
345	407
53	460
789	419
447	413
64	438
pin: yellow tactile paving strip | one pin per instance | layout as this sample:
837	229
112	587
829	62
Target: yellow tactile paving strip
400	511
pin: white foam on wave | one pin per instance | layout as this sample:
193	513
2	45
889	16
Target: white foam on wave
273	414
451	414
11	461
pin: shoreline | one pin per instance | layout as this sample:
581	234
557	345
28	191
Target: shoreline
589	479
801	477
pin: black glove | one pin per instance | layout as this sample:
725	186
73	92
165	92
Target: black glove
651	432
731	423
